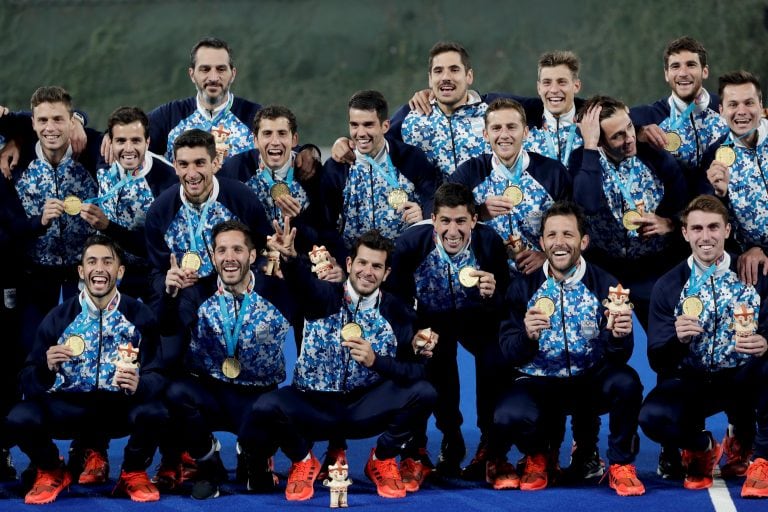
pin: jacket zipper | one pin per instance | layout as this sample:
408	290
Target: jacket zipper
565	334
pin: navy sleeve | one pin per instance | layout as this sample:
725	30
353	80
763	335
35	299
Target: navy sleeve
517	348
396	123
665	351
588	182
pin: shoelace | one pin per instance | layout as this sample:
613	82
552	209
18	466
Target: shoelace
536	464
388	469
48	479
301	471
759	470
620	472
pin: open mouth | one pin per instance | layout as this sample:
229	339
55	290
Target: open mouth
447	88
99	280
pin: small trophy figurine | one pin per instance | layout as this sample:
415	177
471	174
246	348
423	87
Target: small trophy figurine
273	261
338	482
617	302
424	341
321	260
127	356
514	246
744	321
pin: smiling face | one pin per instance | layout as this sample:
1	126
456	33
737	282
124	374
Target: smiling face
685	75
505	131
557	88
195	168
233	259
212	75
100	270
129	144
53	124
449	80
367	130
274	141
562	243
368	270
706	232
741	107
453	227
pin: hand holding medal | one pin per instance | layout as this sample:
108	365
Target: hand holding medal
53	209
538	317
360	350
57	354
178	278
719	176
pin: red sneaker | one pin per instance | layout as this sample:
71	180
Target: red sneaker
623	479
47	486
501	474
386	476
137	486
534	476
301	479
414	470
737	457
96	469
700	466
756	484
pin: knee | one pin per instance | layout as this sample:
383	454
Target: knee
513	418
23	417
423	394
654	419
152	414
625	383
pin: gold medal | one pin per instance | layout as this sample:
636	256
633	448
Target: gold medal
76	343
514	194
725	155
351	330
72	205
230	368
279	190
693	306
466	279
397	197
191	260
628	219
673	141
545	305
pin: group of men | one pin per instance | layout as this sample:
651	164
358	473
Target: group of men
515	226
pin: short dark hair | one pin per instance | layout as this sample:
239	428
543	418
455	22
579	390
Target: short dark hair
738	78
560	58
273	112
370	100
128	115
210	42
374	240
705	203
51	94
195	138
449	46
505	104
685	44
567	209
99	239
452	195
233	225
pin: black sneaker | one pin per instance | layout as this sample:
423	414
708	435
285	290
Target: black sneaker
670	464
585	464
452	452
475	470
261	477
7	470
210	473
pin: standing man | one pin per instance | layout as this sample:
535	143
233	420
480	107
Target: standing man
706	361
556	336
455	269
359	372
127	189
631	194
513	187
75	382
389	186
179	222
686	123
735	169
234	324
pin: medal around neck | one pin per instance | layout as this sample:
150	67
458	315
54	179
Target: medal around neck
231	368
76	343
514	194
628	220
673	141
191	260
466	278
725	155
545	305
72	205
351	330
278	190
693	306
396	198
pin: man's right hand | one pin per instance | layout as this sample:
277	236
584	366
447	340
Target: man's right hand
535	321
9	157
53	209
420	101
178	278
56	355
653	135
343	151
719	176
686	327
106	149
